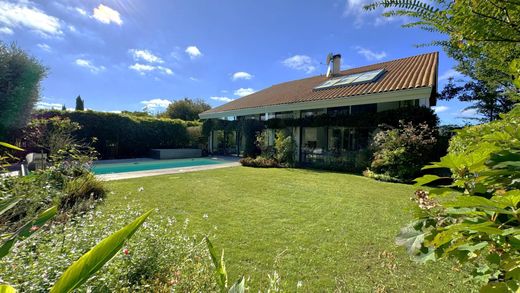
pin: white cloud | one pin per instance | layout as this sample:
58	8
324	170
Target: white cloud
6	31
165	70
155	105
370	55
222	99
193	78
45	47
244	92
193	52
88	65
143	68
81	11
14	15
439	109
355	9
72	28
300	62
450	73
241	75
48	106
145	55
469	112
107	15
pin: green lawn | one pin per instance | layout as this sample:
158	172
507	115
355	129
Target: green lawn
330	231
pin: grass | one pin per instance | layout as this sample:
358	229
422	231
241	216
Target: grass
328	231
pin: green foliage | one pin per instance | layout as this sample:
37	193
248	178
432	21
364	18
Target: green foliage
161	257
26	230
124	136
89	263
401	152
20	77
285	148
186	109
80	104
81	190
483	36
66	182
50	135
475	218
220	271
259	162
487	101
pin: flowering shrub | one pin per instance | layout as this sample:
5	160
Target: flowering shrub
401	152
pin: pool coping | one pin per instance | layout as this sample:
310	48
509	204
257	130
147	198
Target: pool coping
147	173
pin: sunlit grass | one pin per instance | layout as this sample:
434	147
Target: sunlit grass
326	231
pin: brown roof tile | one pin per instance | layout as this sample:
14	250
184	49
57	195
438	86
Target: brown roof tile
406	73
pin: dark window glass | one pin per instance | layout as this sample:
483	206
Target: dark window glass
338	111
367	108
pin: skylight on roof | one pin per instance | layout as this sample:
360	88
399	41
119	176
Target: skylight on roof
368	76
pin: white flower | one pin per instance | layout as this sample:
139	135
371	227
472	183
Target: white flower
205	216
299	284
140	189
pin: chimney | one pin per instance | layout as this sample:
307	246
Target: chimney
336	64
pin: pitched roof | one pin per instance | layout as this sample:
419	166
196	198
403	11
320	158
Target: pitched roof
407	73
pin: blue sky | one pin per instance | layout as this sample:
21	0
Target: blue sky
130	54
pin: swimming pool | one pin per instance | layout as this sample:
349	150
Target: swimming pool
109	168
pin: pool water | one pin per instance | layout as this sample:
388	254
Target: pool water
108	168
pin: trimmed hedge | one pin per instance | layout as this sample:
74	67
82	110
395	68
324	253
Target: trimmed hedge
127	136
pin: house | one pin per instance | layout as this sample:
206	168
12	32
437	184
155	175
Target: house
358	93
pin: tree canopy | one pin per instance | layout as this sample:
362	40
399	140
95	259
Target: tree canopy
487	101
20	76
80	104
482	36
186	109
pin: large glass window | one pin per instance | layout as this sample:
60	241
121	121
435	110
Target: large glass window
314	139
367	108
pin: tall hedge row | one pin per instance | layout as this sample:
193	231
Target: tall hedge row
127	136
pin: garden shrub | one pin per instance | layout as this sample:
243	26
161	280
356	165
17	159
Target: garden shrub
126	136
285	148
475	217
259	162
81	190
401	152
160	257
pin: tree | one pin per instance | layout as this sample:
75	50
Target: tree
80	104
20	77
186	109
63	108
487	101
483	36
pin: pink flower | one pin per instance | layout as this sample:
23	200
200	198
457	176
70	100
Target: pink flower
126	251
34	228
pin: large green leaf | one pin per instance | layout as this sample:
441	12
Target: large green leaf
428	178
93	260
410	238
495	288
220	268
4	288
239	286
7	204
27	230
10	146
